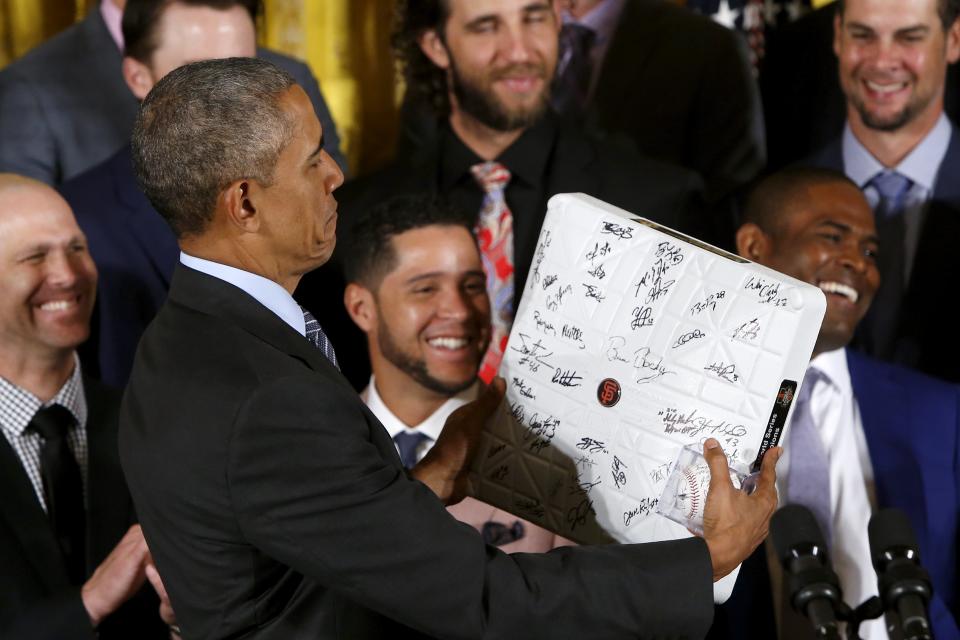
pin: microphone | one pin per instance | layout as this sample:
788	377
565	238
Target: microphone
813	585
904	585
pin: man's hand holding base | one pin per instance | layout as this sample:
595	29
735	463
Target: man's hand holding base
444	468
735	523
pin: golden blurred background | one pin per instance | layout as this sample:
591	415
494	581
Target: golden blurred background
346	43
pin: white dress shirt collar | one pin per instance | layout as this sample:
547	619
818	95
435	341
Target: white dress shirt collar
265	291
432	426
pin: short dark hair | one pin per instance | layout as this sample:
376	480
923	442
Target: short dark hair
948	10
141	17
426	82
771	197
368	241
205	125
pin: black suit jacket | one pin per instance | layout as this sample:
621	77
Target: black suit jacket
37	601
276	506
681	86
606	169
925	335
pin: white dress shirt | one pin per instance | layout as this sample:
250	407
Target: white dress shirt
837	417
471	511
431	427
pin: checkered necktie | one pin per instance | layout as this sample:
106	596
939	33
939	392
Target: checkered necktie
319	339
495	235
808	483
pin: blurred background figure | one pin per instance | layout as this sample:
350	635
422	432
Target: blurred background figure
64	106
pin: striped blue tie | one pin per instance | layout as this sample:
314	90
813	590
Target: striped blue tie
319	339
808	483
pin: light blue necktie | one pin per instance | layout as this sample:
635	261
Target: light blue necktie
407	444
882	323
809	477
318	338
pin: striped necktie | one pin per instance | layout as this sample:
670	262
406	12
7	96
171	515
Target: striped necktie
808	483
318	338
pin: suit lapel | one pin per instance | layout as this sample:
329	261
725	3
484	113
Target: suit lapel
221	299
28	522
887	412
145	226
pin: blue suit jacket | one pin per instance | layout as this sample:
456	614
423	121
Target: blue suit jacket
912	427
926	332
135	252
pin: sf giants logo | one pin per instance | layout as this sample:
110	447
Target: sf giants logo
785	397
608	393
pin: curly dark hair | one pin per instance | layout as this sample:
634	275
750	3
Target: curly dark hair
426	81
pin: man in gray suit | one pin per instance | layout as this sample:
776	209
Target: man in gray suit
64	106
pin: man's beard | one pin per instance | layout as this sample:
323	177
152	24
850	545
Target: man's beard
483	104
890	123
893	122
416	369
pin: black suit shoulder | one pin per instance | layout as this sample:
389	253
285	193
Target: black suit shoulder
681	87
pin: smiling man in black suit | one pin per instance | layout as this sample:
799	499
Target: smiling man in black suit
71	565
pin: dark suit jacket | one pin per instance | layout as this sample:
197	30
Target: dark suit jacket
682	87
135	252
912	427
604	169
64	106
925	330
37	601
276	506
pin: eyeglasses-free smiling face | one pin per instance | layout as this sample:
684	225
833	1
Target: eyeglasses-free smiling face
893	56
47	278
433	313
829	240
501	56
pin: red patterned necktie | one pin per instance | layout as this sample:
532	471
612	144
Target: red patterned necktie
495	235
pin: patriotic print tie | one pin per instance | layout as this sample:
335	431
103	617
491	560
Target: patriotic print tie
495	235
